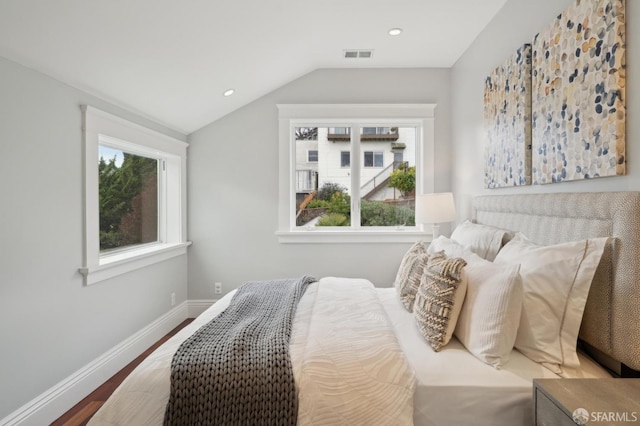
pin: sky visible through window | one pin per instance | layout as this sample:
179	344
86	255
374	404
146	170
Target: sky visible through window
108	153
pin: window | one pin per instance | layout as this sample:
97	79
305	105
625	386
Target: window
134	194
373	159
376	130
312	156
370	196
128	198
345	158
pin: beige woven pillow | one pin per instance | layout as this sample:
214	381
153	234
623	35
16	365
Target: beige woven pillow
409	274
439	298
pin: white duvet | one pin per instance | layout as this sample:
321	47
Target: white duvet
348	365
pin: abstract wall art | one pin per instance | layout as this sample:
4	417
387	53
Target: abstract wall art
578	94
507	120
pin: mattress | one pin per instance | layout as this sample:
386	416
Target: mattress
455	388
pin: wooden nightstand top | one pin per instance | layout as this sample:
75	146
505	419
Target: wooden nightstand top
618	396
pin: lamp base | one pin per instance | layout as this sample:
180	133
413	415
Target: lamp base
435	229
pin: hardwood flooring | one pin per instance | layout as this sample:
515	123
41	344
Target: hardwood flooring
80	414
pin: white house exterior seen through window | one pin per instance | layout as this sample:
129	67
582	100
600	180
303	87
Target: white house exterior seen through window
368	163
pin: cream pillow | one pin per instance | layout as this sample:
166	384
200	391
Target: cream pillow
409	274
439	298
556	281
488	322
485	241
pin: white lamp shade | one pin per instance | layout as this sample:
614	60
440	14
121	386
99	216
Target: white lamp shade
435	208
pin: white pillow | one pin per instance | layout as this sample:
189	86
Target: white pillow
556	281
489	318
485	241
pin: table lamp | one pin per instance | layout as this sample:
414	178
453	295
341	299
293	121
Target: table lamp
435	209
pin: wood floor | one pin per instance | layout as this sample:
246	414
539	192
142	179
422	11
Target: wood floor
82	412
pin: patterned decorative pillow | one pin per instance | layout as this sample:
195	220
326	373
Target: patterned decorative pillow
409	274
439	298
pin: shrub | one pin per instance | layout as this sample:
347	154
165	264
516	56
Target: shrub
333	219
404	179
340	203
328	189
377	213
316	204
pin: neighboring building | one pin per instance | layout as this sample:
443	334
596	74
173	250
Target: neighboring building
324	156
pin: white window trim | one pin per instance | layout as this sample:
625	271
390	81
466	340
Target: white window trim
99	125
312	115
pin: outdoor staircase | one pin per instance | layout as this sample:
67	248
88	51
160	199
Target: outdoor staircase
380	185
379	181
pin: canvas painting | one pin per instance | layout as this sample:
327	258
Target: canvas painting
578	99
507	117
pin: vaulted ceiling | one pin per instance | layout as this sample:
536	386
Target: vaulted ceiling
171	60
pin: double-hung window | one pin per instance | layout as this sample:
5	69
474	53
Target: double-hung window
374	158
345	158
371	162
135	196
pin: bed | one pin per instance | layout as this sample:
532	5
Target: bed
398	378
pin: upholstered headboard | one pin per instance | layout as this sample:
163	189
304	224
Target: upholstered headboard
611	322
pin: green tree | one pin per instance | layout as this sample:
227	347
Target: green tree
404	179
120	198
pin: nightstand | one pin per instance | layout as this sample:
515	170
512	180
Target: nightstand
556	402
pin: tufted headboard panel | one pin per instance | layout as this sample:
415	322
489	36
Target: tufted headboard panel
611	322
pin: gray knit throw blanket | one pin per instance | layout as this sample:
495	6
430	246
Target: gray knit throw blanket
236	370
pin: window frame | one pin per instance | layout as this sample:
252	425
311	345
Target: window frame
422	116
100	127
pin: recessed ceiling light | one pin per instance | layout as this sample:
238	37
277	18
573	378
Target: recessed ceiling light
229	92
395	31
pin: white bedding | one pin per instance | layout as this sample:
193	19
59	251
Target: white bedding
455	388
452	387
348	366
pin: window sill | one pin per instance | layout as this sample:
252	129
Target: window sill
313	236
120	263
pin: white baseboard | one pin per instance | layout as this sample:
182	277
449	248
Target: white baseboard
60	398
196	307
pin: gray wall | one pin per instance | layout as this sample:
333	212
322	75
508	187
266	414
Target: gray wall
514	25
233	183
50	324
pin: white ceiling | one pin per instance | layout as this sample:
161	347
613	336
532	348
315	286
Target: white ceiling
171	60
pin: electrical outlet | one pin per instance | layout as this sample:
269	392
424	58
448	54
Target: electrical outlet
173	299
217	288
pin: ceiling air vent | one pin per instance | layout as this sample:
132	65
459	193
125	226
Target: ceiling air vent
358	54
